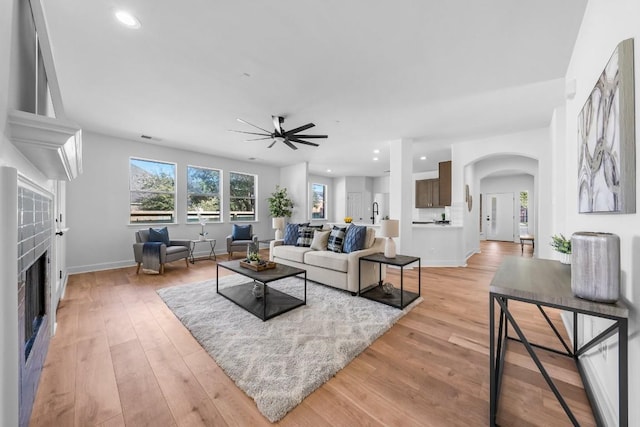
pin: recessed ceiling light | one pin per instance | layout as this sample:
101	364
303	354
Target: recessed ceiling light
375	159
328	170
127	19
376	151
423	158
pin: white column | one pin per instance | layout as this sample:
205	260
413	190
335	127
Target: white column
9	368
401	191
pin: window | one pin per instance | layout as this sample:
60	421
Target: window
242	197
152	190
203	194
318	210
524	212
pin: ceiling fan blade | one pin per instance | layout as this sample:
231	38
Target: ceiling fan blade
299	141
277	124
247	123
250	133
310	136
273	143
257	139
293	147
300	129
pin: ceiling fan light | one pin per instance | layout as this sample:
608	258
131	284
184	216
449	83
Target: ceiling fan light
127	19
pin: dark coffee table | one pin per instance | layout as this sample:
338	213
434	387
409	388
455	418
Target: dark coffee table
273	302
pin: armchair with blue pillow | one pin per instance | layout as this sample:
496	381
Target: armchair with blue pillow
153	249
241	236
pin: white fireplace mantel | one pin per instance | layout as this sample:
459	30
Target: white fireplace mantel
53	145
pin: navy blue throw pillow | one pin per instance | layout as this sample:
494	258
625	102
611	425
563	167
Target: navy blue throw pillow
159	235
354	238
290	234
241	232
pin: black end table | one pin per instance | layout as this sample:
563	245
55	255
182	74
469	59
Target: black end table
399	298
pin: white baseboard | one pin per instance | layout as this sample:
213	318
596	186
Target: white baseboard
122	264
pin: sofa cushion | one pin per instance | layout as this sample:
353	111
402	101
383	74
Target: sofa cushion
370	239
354	238
159	235
336	239
241	232
327	259
320	240
291	253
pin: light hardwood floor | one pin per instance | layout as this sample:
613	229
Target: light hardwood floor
120	357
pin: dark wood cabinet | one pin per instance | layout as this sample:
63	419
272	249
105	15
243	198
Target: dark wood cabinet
427	193
435	193
444	174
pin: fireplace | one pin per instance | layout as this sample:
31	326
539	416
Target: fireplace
34	301
35	231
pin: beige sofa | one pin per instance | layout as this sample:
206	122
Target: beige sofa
338	270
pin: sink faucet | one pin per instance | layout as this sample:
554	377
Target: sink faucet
374	211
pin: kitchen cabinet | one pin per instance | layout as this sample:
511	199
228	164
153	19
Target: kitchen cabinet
444	178
427	193
435	193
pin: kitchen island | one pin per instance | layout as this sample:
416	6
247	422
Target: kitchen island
438	245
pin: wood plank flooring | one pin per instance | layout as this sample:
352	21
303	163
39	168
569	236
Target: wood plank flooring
121	358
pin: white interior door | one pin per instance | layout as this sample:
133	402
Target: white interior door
354	206
499	216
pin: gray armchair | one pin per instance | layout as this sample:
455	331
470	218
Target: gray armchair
177	249
240	244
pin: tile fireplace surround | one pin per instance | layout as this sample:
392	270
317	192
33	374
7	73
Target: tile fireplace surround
34	242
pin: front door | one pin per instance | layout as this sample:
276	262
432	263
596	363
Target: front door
499	218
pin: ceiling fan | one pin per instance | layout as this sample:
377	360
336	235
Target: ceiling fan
280	134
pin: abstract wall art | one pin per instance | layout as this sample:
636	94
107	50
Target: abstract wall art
606	139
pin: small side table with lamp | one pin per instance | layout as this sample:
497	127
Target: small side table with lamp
399	298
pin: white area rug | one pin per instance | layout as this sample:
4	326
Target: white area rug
281	361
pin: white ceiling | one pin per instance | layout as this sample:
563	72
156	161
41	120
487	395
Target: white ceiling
365	72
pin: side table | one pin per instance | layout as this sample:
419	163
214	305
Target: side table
212	245
399	298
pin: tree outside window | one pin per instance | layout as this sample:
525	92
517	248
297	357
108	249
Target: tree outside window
242	197
319	194
203	194
524	212
152	190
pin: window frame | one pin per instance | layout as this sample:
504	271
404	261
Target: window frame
325	189
254	198
174	213
220	195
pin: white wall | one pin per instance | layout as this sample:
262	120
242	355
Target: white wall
296	179
534	144
100	236
606	24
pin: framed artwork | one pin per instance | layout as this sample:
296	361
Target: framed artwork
606	139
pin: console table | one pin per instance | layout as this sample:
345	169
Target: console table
399	298
548	283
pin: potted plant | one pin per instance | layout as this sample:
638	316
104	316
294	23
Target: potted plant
254	259
563	246
280	206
